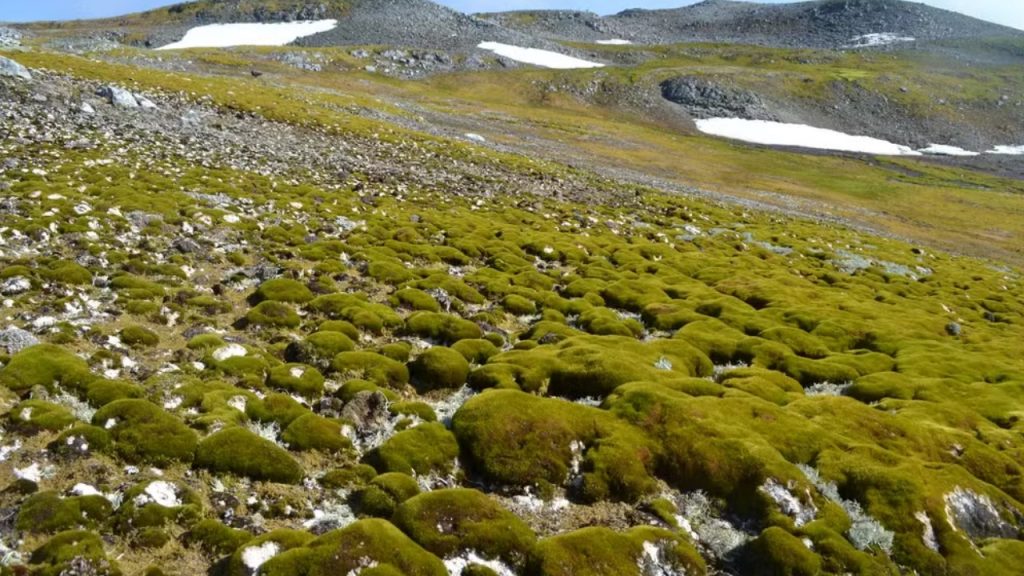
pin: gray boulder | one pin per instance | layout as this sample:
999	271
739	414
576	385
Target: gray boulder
14	340
118	97
9	37
11	68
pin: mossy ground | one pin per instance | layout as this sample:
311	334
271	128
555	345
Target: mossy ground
616	355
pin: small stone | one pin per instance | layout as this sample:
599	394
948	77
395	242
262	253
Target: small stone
118	97
954	329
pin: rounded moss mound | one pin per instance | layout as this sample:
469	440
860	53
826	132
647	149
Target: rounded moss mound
45	365
383	494
314	432
476	350
443	328
421	450
439	368
142	432
282	290
47	512
273	314
446	522
371	366
215	538
298	378
416	299
239	451
70	551
32	416
319	348
778	553
603	552
349	550
139	337
518	305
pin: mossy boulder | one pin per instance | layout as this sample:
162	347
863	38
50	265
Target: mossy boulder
367	542
297	378
314	432
383	494
60	553
142	432
319	348
603	552
241	452
139	337
442	328
374	367
421	450
273	314
48	512
45	365
282	290
476	350
778	553
32	416
446	522
416	299
215	538
439	368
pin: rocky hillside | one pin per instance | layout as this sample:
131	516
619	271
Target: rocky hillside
387	311
815	24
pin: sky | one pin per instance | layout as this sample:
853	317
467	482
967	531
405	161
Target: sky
1007	12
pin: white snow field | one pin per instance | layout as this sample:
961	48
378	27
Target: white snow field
946	150
879	39
781	134
1008	150
250	34
615	42
537	57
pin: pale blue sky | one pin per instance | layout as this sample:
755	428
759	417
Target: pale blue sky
1008	12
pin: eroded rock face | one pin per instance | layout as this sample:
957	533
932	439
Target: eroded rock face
705	99
12	69
976	515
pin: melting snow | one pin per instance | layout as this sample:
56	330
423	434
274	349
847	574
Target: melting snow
1008	150
878	39
781	134
543	58
615	42
31	473
255	556
252	34
161	493
944	150
457	564
229	351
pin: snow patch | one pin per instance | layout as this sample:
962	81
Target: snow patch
878	39
456	564
537	57
31	473
782	134
614	42
250	34
945	150
255	556
161	493
229	351
1008	150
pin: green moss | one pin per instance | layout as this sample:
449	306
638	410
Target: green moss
778	553
370	366
393	273
45	365
443	328
421	450
476	350
601	551
288	541
35	415
273	314
205	342
398	351
446	522
383	494
239	451
95	437
215	538
518	305
314	432
439	368
365	542
142	432
139	337
56	555
47	512
416	299
298	378
348	478
282	290
102	392
319	348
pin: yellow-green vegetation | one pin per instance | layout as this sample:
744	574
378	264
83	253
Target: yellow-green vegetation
850	403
